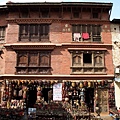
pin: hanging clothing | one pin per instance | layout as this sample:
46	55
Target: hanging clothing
76	36
20	93
85	36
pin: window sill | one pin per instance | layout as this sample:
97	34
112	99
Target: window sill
87	67
89	73
87	41
32	67
32	73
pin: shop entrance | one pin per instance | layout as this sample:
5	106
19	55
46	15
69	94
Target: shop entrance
47	94
32	97
89	98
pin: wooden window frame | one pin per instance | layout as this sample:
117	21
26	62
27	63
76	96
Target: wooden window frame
94	32
45	13
95	15
34	33
76	14
34	67
94	67
2	33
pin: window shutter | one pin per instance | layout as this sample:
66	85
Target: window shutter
44	60
33	59
22	59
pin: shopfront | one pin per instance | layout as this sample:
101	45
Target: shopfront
69	97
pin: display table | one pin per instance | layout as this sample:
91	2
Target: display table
10	114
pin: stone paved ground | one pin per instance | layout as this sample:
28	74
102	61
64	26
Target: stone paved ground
107	118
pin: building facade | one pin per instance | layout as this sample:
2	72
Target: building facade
115	30
57	52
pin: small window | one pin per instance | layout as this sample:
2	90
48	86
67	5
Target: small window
44	60
45	13
24	13
76	15
95	15
87	58
2	33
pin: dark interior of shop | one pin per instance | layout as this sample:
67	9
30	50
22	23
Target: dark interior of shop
32	97
89	98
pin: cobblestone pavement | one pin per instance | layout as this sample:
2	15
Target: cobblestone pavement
107	118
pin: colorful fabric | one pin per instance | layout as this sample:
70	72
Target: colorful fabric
85	36
77	36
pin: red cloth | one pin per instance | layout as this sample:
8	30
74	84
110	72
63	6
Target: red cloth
119	110
85	35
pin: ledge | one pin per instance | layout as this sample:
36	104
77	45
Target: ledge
30	46
62	77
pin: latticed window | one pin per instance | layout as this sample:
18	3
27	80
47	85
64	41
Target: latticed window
33	62
34	33
2	34
87	62
86	33
44	13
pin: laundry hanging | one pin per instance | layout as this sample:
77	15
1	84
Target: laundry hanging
77	36
85	36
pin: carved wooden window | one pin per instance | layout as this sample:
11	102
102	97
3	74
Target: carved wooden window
98	59
29	62
33	59
34	30
87	62
22	59
2	34
95	15
34	33
44	60
24	13
24	30
76	60
45	12
86	33
76	14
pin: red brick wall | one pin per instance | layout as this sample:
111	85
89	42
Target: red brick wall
10	62
109	62
61	58
60	61
2	62
12	33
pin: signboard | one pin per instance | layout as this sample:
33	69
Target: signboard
57	92
31	112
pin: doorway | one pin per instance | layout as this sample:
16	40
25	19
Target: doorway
31	97
89	98
47	94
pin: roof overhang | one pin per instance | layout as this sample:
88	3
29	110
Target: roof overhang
30	46
81	4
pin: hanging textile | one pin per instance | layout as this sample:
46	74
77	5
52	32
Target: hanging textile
77	36
85	36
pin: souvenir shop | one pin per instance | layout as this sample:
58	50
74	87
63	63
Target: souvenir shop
60	97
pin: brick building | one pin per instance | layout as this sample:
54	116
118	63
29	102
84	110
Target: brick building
48	44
